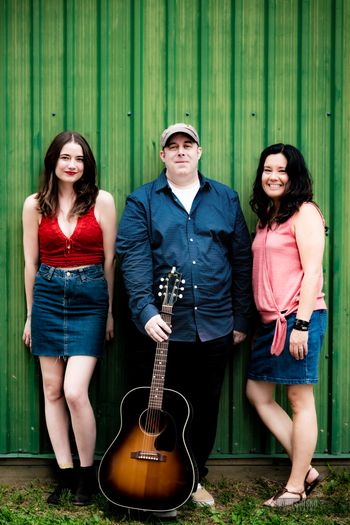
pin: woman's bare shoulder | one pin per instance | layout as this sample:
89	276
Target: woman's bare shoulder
104	197
309	211
31	203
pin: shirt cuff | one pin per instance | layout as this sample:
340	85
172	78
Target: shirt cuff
149	311
240	324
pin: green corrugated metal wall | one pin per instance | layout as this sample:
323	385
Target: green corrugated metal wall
247	73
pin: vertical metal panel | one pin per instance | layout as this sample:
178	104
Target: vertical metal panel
314	136
114	70
149	19
282	71
216	83
21	408
246	73
249	43
340	184
3	230
183	49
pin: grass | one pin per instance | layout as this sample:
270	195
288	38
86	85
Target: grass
237	503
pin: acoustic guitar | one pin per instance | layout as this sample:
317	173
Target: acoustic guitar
149	466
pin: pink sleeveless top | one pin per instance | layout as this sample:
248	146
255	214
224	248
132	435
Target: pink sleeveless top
277	277
82	248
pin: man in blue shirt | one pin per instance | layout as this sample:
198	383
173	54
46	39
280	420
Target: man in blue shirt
185	220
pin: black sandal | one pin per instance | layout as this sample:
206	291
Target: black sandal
278	501
309	487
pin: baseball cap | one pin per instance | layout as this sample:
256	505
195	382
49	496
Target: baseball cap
180	127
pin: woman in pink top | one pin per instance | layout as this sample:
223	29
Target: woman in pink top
69	230
287	284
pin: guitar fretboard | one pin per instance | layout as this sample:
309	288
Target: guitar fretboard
159	368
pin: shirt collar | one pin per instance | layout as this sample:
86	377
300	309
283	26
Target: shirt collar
162	182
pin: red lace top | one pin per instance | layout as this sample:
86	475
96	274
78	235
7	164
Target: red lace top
83	247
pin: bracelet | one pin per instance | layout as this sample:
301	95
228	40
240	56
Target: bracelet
302	326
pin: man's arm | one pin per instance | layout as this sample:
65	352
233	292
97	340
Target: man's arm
242	297
135	255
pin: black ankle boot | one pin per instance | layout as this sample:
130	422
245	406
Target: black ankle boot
87	486
66	483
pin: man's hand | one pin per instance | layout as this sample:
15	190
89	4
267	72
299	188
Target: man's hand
238	337
157	329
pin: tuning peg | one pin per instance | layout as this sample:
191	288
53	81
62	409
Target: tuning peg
161	286
182	288
162	278
160	294
180	296
183	281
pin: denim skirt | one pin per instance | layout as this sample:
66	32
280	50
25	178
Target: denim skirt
69	311
285	369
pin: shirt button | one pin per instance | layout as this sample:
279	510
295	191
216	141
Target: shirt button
196	307
193	262
68	274
195	286
191	240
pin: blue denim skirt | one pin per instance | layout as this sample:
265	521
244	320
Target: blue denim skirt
284	369
69	311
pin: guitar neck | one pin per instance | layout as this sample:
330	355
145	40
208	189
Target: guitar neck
160	362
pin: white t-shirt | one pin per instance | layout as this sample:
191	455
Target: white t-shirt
185	195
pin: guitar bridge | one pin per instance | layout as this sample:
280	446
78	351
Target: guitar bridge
147	456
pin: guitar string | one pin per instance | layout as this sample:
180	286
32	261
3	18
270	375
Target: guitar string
152	425
153	418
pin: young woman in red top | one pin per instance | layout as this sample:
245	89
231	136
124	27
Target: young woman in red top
69	230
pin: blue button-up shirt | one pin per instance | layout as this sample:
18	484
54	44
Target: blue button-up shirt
210	247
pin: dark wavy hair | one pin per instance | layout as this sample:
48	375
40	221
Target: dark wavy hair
85	188
299	189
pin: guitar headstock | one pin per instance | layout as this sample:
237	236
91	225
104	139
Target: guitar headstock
171	287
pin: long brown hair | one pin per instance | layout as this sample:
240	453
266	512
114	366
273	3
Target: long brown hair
85	188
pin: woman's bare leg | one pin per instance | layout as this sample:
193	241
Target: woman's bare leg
56	413
78	375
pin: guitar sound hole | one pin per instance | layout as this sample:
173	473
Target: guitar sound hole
152	421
